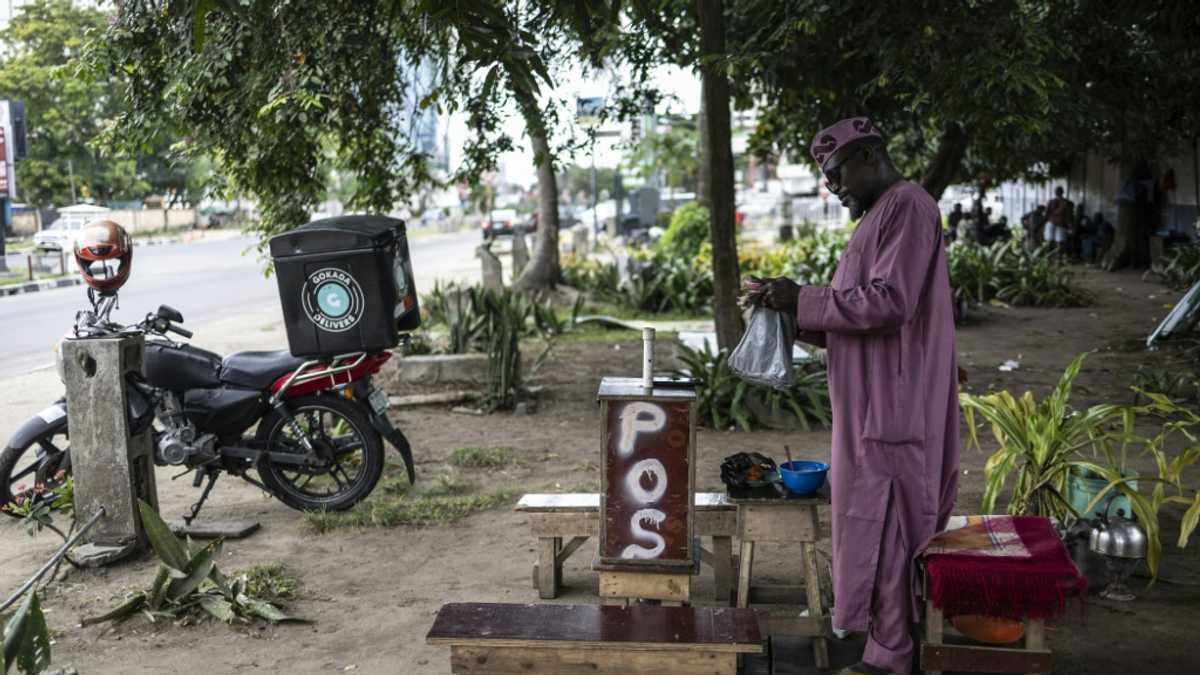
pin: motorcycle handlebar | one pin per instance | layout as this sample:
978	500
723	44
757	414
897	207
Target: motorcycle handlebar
179	331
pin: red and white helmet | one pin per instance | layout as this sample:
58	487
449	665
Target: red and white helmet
104	253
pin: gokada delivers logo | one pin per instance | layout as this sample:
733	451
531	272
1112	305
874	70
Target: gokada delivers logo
332	299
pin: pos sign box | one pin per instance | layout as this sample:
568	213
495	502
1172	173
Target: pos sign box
647	473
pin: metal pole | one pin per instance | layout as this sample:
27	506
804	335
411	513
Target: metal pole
595	201
29	264
62	551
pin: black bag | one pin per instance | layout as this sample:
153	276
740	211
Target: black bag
747	470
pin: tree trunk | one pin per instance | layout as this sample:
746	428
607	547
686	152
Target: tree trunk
944	167
543	270
703	174
718	156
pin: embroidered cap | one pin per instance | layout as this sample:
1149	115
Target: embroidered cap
826	143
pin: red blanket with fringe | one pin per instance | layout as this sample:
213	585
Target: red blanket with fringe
1008	566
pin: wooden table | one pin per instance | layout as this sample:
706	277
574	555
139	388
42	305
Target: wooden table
575	516
765	516
594	640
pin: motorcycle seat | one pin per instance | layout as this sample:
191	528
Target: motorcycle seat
257	370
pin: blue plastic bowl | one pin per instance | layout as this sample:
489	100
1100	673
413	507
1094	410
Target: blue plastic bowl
803	477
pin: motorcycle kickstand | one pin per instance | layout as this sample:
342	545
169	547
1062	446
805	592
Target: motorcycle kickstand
212	480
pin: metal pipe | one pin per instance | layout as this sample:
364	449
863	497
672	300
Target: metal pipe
53	559
648	358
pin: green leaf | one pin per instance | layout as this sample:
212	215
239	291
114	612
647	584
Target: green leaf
218	607
164	542
200	567
26	637
127	609
266	610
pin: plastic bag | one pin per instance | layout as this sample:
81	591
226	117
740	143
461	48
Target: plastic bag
764	354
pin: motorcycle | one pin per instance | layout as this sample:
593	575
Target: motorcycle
312	430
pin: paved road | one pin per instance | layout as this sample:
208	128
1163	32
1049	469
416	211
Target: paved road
206	281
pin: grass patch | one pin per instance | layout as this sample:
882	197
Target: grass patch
15	278
269	581
476	457
395	511
18	245
444	485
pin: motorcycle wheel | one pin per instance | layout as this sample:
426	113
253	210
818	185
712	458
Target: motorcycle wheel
341	426
23	469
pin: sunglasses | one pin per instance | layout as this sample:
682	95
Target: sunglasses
833	175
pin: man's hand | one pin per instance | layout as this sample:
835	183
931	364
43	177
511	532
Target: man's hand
780	294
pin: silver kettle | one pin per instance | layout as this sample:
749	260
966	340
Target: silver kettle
1117	536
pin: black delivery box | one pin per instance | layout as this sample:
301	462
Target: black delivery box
345	284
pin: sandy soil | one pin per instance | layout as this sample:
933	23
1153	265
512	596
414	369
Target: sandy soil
373	593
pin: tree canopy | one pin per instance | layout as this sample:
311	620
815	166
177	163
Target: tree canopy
64	113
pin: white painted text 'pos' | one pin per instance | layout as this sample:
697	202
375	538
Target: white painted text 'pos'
638	417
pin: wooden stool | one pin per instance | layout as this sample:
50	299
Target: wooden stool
594	640
769	517
573	517
937	656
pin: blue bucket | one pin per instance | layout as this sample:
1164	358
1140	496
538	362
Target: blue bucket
803	477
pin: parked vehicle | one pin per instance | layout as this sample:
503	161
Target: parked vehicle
60	235
311	429
568	217
499	222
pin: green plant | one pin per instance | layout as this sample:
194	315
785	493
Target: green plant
188	581
476	457
269	581
36	507
724	400
1180	268
1007	271
1036	278
26	638
1039	441
688	231
1044	442
1180	384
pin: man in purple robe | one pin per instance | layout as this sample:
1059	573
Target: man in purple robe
887	324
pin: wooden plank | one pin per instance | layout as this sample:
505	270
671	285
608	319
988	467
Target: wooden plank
559	502
746	563
714	523
635	628
977	659
1035	636
777	594
812	587
935	625
548	576
722	567
480	660
590	501
215	529
631	388
789	623
568	550
649	586
564	524
774	523
714	501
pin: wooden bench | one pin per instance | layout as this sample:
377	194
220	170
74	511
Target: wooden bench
594	639
576	516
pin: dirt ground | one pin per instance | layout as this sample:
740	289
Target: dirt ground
373	593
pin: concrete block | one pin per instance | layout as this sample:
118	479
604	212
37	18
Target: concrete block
493	271
112	468
520	252
442	368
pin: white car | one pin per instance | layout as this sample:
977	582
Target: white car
60	235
